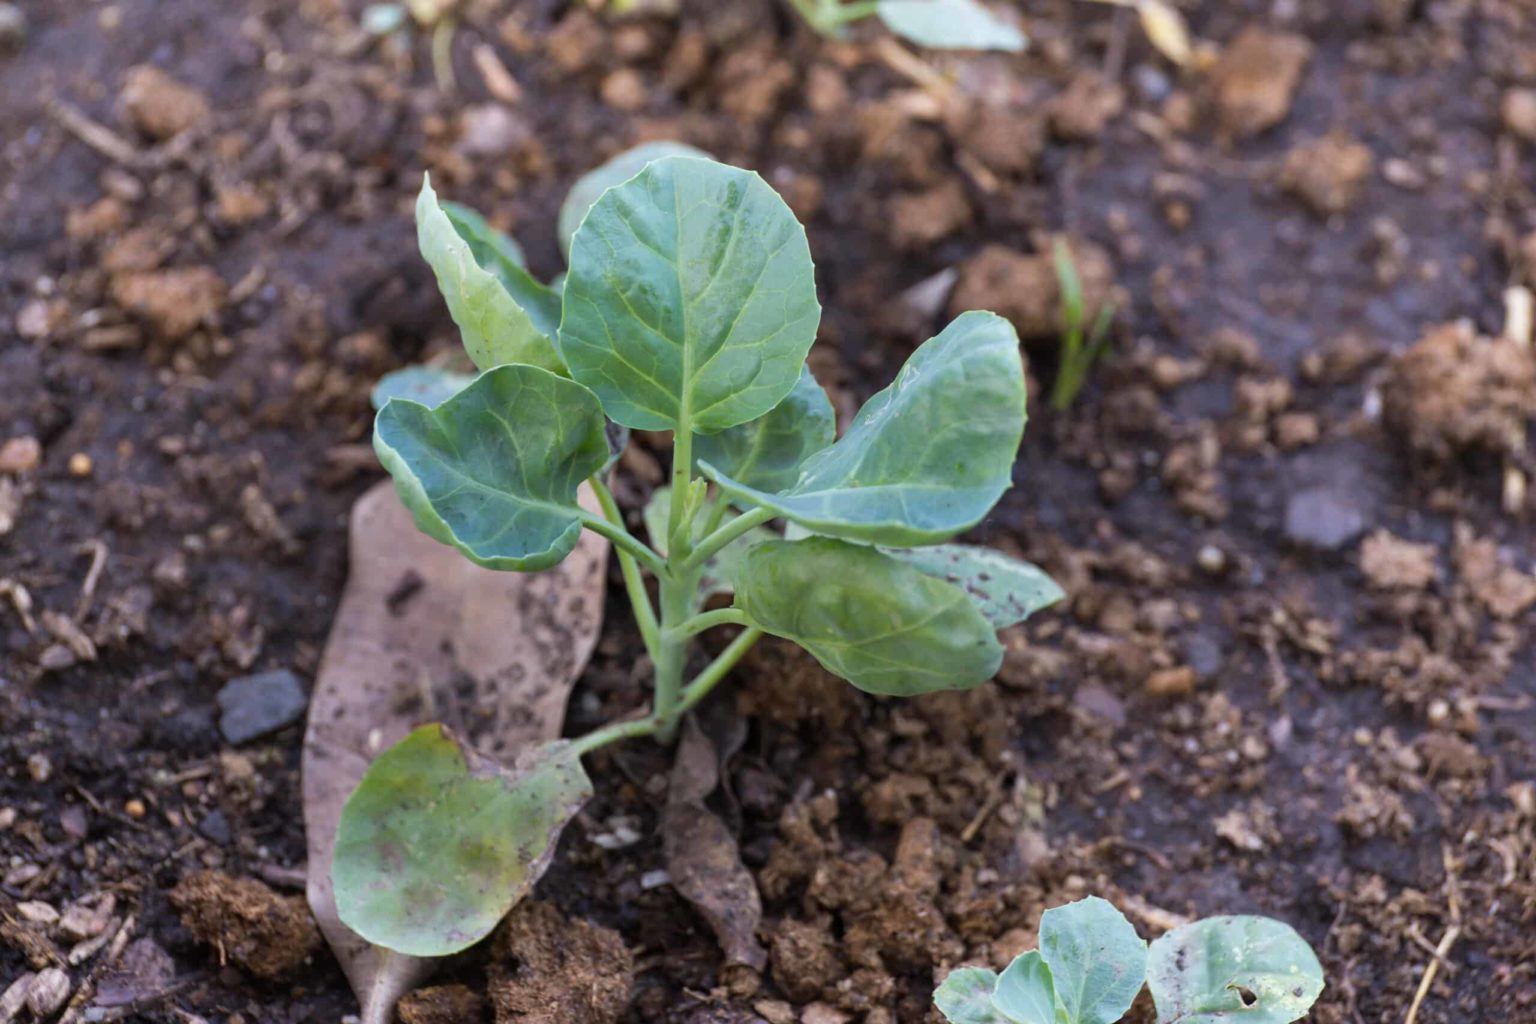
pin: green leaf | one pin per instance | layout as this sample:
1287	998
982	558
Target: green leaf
1006	590
950	25
767	453
494	469
722	568
965	997
499	255
425	384
437	843
1026	994
590	186
490	247
1233	970
876	622
925	458
690	299
496	328
1096	959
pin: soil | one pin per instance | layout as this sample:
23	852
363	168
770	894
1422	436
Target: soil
1294	676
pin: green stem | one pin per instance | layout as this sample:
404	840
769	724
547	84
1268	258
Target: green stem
622	539
709	620
718	539
634	584
680	522
677	595
838	15
656	724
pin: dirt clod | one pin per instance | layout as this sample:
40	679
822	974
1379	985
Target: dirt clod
159	106
264	933
804	959
1025	289
1455	391
546	969
1254	80
441	1004
1518	113
1327	173
174	302
1391	563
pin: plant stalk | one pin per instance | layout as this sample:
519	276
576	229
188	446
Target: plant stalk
671	655
634	583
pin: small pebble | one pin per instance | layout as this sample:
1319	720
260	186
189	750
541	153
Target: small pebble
254	706
20	455
1212	559
81	465
47	993
13	27
135	809
39	767
1323	518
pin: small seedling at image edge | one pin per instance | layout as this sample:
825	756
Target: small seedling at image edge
689	306
1091	965
939	24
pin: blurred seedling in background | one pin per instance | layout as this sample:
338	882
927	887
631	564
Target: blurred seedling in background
940	24
439	17
689	307
1081	346
1091	966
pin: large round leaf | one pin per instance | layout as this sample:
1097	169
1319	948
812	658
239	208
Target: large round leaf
767	453
494	469
691	298
1233	970
590	186
925	458
437	843
875	621
1026	992
1097	961
496	327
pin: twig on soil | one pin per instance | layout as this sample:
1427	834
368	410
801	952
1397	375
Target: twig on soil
1453	911
98	552
990	804
94	134
1519	312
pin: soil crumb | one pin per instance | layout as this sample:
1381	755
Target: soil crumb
546	969
1326	173
1254	80
1024	288
159	106
255	928
441	1004
1454	391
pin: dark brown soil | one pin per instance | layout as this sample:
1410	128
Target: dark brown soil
1295	675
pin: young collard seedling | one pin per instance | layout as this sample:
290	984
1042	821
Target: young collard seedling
689	306
1091	965
940	24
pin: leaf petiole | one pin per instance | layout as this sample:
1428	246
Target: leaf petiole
694	692
714	541
709	620
622	539
634	585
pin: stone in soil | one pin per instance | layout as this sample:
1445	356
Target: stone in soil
1322	518
254	706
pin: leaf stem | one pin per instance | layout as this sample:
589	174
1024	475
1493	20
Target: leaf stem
677	596
680	523
717	514
709	620
634	584
624	541
696	691
718	539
